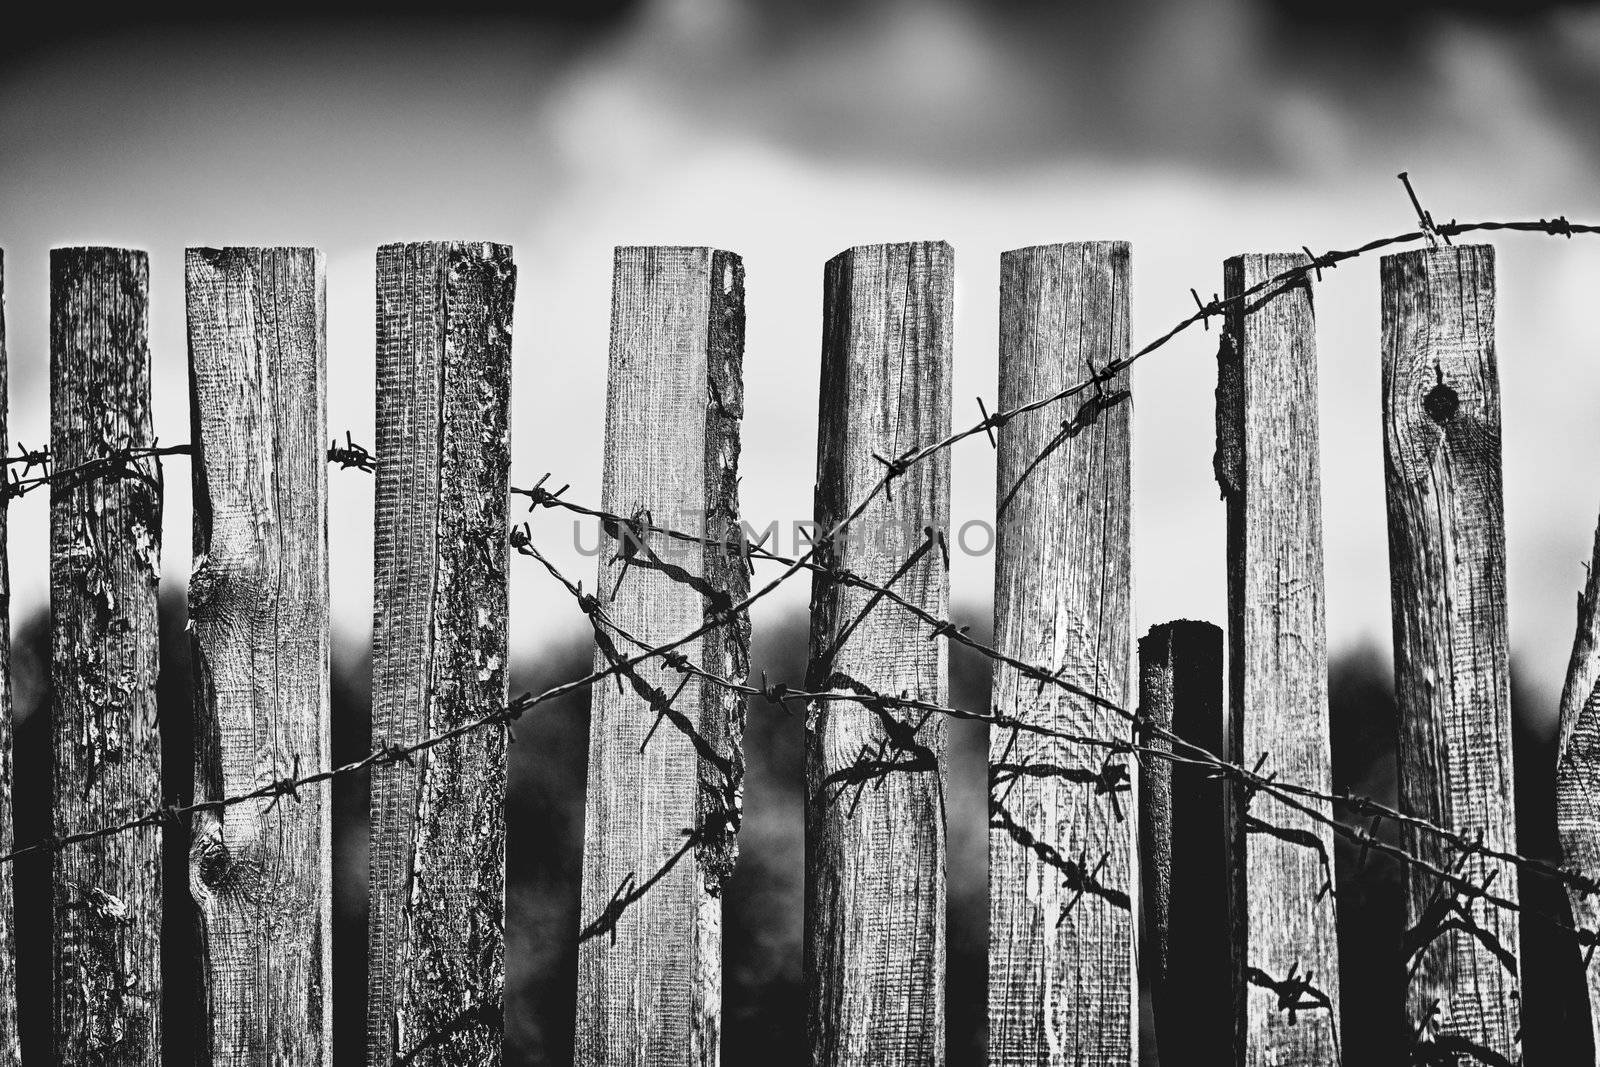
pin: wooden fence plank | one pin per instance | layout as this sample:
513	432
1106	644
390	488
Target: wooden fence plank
875	825
10	1046
1182	827
1286	946
665	750
258	608
436	956
105	563
1063	876
1578	776
1441	418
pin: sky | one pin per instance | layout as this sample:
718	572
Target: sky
789	131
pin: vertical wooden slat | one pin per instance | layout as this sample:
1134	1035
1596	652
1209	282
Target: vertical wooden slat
258	609
1062	859
1578	777
436	966
666	763
10	1046
1286	951
1441	419
1182	826
875	823
105	562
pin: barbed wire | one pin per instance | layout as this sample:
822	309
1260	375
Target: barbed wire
1251	780
120	461
939	626
1111	778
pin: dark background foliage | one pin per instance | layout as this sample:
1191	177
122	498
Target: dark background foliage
763	996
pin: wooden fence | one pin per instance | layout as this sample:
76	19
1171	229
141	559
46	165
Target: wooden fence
1122	787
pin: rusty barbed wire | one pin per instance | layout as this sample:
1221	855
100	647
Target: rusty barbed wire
1297	798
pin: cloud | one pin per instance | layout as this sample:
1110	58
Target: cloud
1226	84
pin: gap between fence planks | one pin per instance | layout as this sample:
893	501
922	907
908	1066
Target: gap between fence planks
875	818
1441	418
666	763
10	1046
1578	776
258	609
105	564
436	955
1062	856
1182	826
1285	943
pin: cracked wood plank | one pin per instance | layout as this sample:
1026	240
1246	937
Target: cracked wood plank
1063	878
258	607
437	883
875	815
105	563
666	762
1441	433
1578	776
1182	826
10	1046
1285	944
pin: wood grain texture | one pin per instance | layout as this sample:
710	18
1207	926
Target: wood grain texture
666	764
1269	469
436	952
1182	827
105	563
1063	875
10	1046
875	816
1441	432
1578	774
258	609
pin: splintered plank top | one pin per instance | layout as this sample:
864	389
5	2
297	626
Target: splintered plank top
258	609
105	539
1062	875
875	827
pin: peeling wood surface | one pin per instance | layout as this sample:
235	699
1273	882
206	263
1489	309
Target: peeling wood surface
666	762
258	608
436	953
1063	878
1441	419
10	1047
875	813
1578	774
1182	826
1285	942
105	563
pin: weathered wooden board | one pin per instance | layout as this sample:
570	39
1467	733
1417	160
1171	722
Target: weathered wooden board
1063	873
1578	777
666	763
875	818
105	563
10	1046
1447	563
258	613
436	946
1182	827
1268	463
